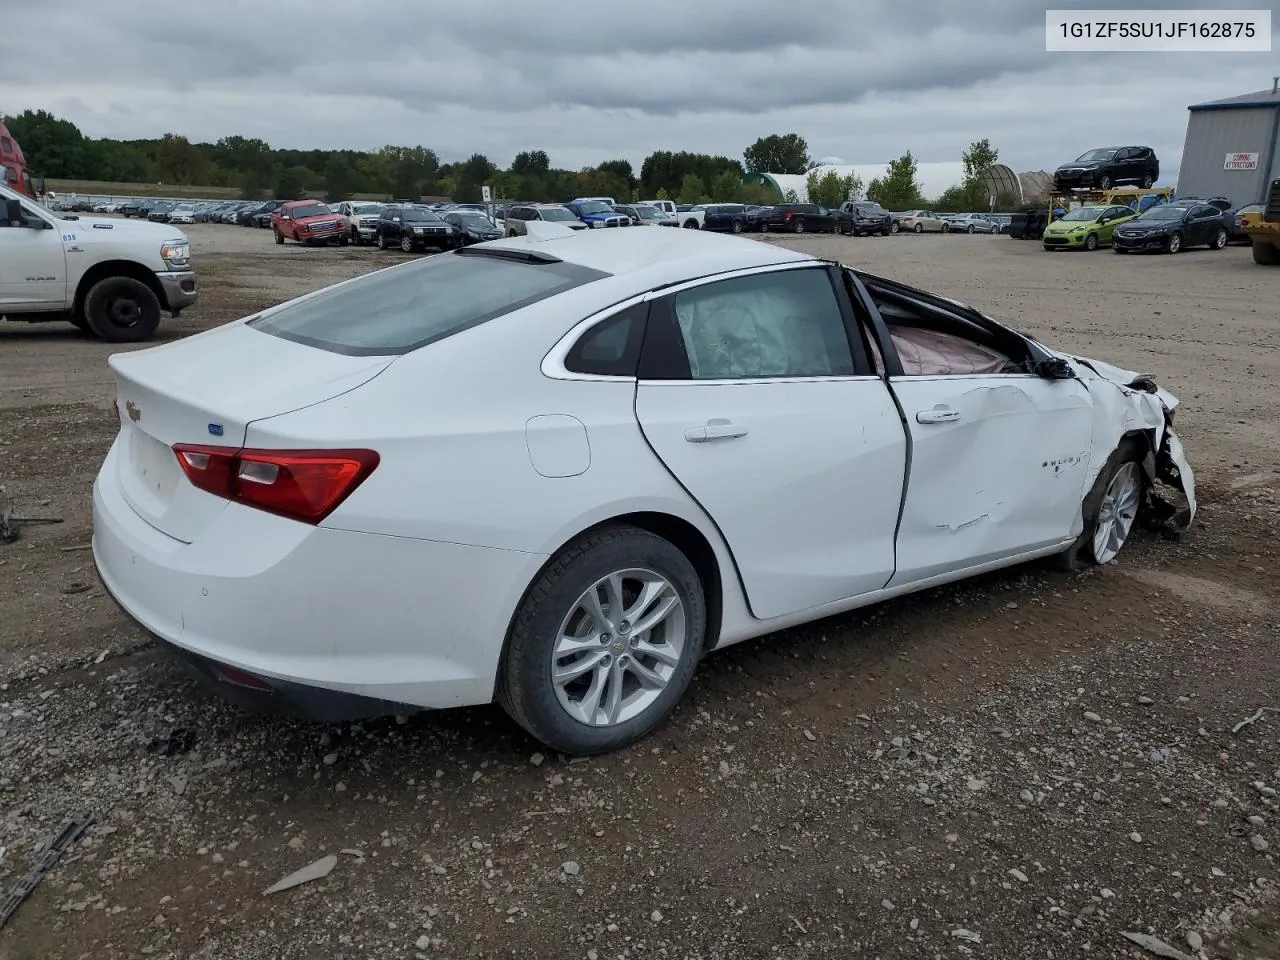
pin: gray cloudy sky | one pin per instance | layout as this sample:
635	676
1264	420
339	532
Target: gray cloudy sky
591	80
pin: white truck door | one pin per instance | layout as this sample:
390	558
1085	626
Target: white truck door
33	263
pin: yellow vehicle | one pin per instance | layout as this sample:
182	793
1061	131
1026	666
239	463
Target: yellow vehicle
1263	228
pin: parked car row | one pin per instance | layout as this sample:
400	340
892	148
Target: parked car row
1165	227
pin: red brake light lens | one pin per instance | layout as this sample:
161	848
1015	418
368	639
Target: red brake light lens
304	485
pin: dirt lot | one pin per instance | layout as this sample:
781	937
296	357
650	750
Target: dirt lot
1026	765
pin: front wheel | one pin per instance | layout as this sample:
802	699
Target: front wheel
122	310
1104	183
737	226
1174	243
1091	242
970	228
406	244
605	642
382	242
1110	510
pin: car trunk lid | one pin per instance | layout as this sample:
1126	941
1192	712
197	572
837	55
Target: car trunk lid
208	389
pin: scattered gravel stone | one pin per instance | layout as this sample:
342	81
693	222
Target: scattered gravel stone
537	759
1136	837
423	942
887	904
571	868
1194	940
1259	843
808	735
1026	796
1092	717
330	759
1145	701
656	916
1018	875
975	784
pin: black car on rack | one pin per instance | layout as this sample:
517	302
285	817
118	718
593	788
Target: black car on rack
1107	167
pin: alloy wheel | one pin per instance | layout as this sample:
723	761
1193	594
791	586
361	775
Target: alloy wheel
1117	512
618	647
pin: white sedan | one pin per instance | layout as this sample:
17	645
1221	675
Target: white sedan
556	470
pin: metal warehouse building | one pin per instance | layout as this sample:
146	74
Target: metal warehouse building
1231	148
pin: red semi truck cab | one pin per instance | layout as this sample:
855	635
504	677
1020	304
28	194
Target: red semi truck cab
13	166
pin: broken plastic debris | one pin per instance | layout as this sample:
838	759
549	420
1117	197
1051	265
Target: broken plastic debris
1157	946
312	871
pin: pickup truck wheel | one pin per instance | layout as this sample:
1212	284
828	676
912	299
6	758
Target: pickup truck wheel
79	322
279	236
122	310
764	226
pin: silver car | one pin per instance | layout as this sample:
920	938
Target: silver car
972	223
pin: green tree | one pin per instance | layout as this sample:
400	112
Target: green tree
339	182
662	194
293	182
778	153
757	193
667	170
178	161
692	189
790	196
830	189
898	189
978	159
531	163
619	170
54	147
727	188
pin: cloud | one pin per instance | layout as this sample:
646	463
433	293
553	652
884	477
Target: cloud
590	81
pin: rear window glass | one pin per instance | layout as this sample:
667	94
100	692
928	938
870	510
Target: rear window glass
396	311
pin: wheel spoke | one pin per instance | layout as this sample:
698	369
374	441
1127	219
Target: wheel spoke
656	615
580	667
567	646
613	593
649	593
613	700
650	679
589	705
662	652
590	602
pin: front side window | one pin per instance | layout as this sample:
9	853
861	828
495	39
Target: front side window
395	311
782	324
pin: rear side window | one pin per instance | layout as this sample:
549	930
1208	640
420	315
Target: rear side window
395	311
612	347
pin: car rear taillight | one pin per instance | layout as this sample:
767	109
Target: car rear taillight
304	485
788	215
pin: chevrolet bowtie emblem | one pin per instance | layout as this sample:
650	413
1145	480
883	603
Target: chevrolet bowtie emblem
132	409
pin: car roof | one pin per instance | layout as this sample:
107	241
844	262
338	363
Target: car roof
658	256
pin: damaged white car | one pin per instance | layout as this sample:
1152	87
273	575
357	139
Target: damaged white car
556	470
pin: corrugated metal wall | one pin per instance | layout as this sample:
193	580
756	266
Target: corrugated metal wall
1211	135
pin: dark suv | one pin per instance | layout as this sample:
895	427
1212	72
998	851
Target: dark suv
412	228
1106	167
868	217
802	217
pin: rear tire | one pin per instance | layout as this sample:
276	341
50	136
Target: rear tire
1147	181
279	236
919	228
1220	239
122	310
1125	460
552	622
799	226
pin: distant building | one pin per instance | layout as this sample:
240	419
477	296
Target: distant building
935	179
1233	147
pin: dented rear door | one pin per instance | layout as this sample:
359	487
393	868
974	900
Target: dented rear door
998	467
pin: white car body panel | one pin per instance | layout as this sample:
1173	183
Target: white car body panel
1006	475
494	456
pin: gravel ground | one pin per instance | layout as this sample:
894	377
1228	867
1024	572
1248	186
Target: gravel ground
1029	764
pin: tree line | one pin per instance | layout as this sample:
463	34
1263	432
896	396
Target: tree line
57	149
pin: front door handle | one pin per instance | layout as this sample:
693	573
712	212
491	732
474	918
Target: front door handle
714	429
939	414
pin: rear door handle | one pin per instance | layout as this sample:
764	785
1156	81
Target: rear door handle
939	414
714	429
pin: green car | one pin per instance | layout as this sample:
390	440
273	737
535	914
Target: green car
1085	228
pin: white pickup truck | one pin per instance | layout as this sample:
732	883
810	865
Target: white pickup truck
111	277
